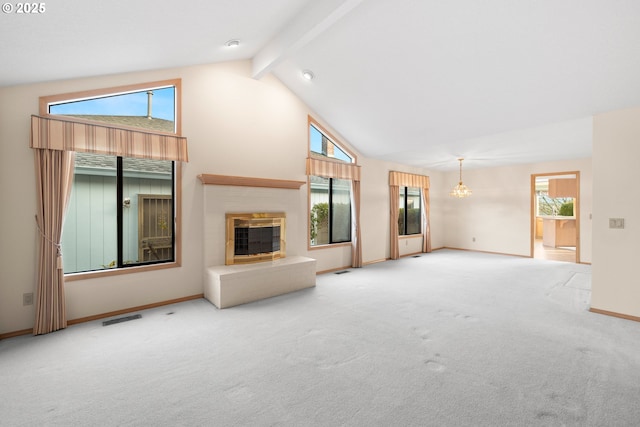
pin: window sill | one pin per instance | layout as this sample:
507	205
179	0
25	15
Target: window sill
329	246
410	236
72	277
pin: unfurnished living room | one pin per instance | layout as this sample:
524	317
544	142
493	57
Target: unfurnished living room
347	212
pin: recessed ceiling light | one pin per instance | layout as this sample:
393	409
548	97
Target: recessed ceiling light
232	43
308	75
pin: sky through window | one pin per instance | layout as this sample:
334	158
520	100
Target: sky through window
127	104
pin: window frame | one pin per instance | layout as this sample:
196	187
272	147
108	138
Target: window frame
405	195
46	101
330	218
312	122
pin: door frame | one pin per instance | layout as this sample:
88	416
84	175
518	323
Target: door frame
576	208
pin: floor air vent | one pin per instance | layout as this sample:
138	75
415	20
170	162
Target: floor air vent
342	272
121	319
416	256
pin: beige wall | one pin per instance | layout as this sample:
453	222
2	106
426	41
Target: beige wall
616	150
235	125
498	214
375	210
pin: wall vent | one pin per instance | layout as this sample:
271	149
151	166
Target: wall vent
121	319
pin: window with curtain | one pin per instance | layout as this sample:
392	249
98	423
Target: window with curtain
122	210
331	169
409	212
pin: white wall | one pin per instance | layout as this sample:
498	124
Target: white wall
498	214
235	125
616	150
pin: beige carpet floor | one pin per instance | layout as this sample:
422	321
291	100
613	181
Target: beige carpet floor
445	339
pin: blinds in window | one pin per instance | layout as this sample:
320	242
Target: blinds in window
68	135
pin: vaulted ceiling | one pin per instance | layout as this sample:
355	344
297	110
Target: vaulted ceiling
420	82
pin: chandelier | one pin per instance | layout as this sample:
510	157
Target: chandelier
460	191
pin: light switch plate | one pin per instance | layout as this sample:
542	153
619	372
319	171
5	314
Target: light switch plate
27	299
616	222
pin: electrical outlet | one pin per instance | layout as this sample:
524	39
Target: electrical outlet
27	299
473	239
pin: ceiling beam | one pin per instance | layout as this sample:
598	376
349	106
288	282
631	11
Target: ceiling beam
312	21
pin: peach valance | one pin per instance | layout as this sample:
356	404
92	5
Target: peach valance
53	133
404	179
329	169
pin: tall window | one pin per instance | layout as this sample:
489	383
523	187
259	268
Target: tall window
330	210
122	210
409	213
329	196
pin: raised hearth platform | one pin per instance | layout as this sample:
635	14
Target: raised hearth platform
229	285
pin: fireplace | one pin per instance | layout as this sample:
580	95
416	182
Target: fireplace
254	237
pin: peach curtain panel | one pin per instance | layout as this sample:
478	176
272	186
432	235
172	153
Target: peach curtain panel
356	250
403	179
330	169
426	224
54	178
394	196
53	133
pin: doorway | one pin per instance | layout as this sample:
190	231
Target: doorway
555	216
